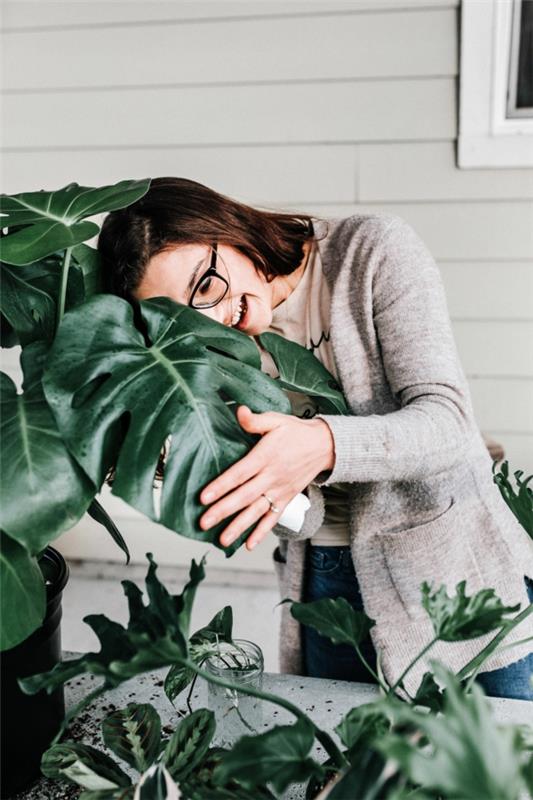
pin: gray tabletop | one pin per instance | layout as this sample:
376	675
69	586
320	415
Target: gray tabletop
325	701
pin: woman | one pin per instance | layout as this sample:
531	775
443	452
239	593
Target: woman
401	489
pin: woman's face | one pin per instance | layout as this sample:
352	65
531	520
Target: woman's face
174	273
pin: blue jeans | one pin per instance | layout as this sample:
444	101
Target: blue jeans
330	573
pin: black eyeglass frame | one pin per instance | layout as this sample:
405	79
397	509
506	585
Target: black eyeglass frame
211	271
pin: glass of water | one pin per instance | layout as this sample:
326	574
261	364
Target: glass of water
236	714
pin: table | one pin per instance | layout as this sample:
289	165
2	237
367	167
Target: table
325	701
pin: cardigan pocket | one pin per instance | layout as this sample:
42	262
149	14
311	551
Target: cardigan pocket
446	551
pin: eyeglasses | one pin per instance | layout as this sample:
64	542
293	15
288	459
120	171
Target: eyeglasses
212	286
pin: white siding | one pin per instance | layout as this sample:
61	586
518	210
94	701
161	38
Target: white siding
332	107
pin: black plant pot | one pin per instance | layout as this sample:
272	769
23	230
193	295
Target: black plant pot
30	722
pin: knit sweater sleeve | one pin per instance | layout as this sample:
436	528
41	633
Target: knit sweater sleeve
430	428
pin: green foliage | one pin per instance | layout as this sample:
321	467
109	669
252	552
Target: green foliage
43	491
466	754
461	617
100	515
83	765
335	619
202	644
520	502
363	724
133	734
300	371
51	221
280	756
173	385
189	743
156	636
22	593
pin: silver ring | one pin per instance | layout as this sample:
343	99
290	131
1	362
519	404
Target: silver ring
273	508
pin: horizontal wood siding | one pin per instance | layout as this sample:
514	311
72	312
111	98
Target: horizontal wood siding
329	107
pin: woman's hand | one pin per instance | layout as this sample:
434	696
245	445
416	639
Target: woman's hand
290	453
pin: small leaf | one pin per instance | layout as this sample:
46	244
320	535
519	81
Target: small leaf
133	734
177	679
335	619
280	756
362	724
189	743
157	784
520	502
83	765
461	617
99	514
300	371
429	693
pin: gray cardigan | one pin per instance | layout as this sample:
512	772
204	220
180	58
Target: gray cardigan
423	505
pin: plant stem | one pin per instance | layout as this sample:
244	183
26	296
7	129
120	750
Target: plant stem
63	286
411	665
324	738
369	668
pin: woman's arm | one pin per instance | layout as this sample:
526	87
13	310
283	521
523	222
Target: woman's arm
430	430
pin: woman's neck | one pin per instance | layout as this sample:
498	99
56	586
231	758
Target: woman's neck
284	285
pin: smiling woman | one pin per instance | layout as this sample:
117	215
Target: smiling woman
401	487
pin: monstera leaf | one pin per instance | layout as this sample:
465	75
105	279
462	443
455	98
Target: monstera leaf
28	302
46	222
22	593
300	371
118	393
43	491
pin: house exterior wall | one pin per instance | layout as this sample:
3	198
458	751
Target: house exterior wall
327	107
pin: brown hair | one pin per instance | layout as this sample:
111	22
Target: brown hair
180	211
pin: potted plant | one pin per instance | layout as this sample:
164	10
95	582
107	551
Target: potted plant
95	369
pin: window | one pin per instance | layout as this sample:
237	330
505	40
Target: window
496	84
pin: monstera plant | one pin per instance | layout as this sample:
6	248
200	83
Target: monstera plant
107	387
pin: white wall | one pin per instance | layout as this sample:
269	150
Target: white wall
327	107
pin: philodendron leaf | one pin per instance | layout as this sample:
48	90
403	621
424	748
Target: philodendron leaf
335	619
280	757
100	515
117	399
362	724
43	491
520	502
201	645
83	765
52	221
429	693
468	756
300	371
189	743
205	782
155	637
461	617
22	593
133	734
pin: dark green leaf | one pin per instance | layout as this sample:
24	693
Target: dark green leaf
177	679
83	765
22	592
335	619
99	514
87	261
133	734
461	617
280	756
156	636
469	755
205	783
429	693
362	724
43	491
189	743
520	502
157	784
126	398
301	371
124	793
363	780
52	220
